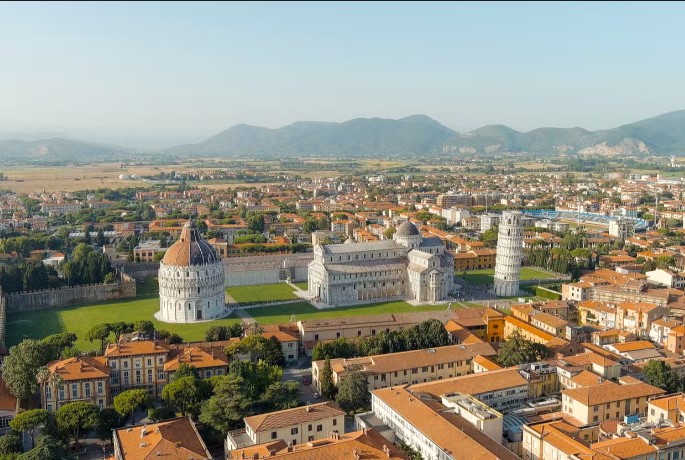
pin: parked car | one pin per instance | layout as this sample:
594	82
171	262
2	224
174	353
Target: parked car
306	381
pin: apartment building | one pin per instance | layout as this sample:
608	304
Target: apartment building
549	323
656	437
362	444
313	331
485	323
137	365
475	259
637	317
83	378
146	250
437	428
293	426
176	438
608	401
407	367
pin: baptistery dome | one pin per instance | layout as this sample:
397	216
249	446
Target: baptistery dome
190	249
191	280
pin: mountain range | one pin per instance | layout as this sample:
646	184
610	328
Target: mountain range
409	136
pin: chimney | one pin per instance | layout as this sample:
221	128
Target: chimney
143	432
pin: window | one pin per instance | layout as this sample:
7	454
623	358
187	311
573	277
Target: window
319	428
309	428
273	435
87	389
100	388
293	430
335	422
74	390
61	392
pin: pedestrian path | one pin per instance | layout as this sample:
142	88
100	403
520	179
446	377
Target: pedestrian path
244	316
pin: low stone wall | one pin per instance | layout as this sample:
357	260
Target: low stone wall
65	296
140	271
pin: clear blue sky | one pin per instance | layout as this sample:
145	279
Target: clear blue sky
183	71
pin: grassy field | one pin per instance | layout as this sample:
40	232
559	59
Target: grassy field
281	314
79	319
303	285
486	276
247	295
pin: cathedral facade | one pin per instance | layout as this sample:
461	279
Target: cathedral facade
191	280
409	267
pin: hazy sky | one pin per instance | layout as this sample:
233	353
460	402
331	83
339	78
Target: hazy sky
166	73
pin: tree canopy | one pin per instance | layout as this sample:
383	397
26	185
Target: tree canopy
519	350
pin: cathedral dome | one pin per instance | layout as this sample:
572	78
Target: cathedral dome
190	249
407	229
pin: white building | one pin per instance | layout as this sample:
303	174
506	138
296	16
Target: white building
622	228
191	280
454	215
487	221
666	278
509	253
410	266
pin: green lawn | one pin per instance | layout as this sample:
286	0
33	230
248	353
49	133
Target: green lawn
280	314
247	295
486	276
79	319
304	285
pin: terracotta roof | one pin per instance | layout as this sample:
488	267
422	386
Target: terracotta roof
633	346
473	384
608	391
296	416
486	363
447	430
381	364
143	347
190	249
368	443
176	438
196	357
80	368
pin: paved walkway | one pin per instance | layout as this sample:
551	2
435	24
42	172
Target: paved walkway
244	316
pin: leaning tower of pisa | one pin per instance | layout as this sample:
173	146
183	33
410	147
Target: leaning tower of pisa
509	253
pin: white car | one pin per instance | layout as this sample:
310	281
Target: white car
316	395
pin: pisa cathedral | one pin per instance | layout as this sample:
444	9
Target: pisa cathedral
191	280
409	267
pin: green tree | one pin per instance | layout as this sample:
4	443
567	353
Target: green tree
282	395
519	350
101	332
328	388
183	393
10	443
47	448
185	370
28	421
258	348
144	327
108	419
75	418
58	343
489	237
228	405
389	232
126	402
161	413
119	328
660	374
21	366
353	392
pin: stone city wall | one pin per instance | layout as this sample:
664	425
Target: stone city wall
65	296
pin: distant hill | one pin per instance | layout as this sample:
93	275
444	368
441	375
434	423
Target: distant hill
361	136
57	150
420	134
410	136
